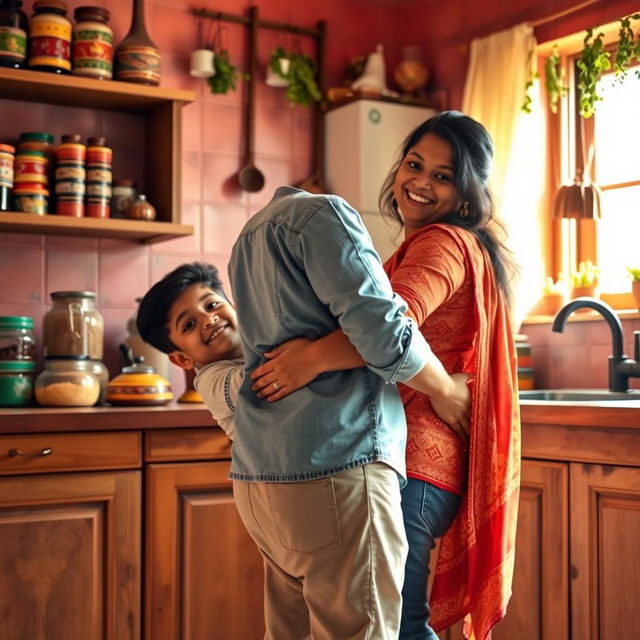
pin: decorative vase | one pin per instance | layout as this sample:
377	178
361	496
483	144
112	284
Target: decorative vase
137	59
141	209
635	290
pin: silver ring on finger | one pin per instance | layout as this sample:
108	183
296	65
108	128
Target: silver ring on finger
275	385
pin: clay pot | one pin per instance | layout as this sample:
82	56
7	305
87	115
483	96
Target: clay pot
635	290
141	209
139	385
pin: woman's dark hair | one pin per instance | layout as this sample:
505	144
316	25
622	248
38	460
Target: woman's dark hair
153	313
472	149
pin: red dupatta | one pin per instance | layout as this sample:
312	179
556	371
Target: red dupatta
474	570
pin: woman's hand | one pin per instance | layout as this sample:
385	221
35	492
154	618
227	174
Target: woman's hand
290	366
454	408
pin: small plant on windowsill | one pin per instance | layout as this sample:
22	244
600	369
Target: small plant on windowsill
635	284
554	295
584	280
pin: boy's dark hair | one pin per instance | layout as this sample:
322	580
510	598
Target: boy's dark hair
153	314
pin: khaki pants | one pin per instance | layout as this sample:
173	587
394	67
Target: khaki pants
334	552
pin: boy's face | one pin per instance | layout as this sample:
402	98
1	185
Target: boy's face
204	327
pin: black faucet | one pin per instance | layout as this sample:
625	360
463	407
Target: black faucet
621	368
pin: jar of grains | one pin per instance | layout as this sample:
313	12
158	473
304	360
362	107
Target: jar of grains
67	382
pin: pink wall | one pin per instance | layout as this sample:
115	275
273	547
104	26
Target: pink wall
33	266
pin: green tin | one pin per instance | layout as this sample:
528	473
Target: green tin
16	383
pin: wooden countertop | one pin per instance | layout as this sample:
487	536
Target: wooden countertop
47	419
622	414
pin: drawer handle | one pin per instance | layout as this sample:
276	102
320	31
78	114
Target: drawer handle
47	451
14	453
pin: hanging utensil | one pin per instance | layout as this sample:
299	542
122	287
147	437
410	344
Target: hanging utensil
250	177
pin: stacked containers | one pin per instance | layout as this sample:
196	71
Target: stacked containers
70	176
17	364
6	175
30	193
41	141
98	198
92	43
50	38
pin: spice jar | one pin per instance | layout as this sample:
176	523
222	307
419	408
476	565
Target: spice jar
67	382
14	28
73	326
92	48
50	38
98	193
70	176
6	174
16	382
40	141
16	338
31	198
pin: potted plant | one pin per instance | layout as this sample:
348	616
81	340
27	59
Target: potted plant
278	68
225	74
299	75
554	295
635	284
584	280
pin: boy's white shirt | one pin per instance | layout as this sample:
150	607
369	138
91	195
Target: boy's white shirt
218	383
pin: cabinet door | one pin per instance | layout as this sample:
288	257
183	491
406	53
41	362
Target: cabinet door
605	552
539	606
70	556
204	575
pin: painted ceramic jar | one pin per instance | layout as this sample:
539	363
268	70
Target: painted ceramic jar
141	209
98	195
31	166
70	176
14	28
41	141
7	153
92	47
50	37
31	197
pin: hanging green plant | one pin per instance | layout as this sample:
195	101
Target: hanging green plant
628	47
275	64
225	76
554	79
533	75
302	88
593	62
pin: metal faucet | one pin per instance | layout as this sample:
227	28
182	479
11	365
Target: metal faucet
621	368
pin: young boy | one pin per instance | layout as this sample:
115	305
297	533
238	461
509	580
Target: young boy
187	315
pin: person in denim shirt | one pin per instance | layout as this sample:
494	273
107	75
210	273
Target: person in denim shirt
317	475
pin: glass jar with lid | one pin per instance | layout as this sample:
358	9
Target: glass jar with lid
16	338
14	29
73	326
16	382
67	382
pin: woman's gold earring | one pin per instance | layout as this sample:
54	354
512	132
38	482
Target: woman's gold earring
464	210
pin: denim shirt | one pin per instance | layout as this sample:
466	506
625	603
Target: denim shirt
302	267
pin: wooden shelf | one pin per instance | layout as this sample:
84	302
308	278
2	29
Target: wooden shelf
53	88
146	232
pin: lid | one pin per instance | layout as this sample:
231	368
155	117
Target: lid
16	322
91	13
37	136
32	188
7	147
125	182
17	366
56	5
138	368
96	141
73	294
74	138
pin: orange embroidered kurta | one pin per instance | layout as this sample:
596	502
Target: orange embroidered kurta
446	278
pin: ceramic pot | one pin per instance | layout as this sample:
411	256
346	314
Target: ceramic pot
635	290
141	209
139	385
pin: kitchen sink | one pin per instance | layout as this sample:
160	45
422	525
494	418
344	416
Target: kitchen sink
578	395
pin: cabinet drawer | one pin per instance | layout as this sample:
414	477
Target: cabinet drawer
44	453
163	445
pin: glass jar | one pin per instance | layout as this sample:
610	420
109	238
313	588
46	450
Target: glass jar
101	372
14	27
16	382
50	37
67	382
92	48
16	338
123	194
73	326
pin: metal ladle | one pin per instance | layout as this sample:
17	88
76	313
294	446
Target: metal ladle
250	177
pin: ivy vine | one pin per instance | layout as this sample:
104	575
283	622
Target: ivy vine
554	79
593	62
628	47
225	76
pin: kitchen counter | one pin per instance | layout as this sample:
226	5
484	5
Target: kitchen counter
48	419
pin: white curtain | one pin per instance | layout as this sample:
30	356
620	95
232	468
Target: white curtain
494	94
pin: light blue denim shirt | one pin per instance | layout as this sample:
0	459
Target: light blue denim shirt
301	267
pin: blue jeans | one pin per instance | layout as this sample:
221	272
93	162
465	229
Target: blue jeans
428	512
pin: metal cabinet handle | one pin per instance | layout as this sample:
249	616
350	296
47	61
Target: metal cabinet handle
13	453
46	452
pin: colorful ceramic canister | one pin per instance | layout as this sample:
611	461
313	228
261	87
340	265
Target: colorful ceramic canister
16	382
32	167
31	198
7	153
92	47
99	177
14	28
70	176
50	37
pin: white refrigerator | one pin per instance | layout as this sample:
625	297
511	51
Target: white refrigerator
363	140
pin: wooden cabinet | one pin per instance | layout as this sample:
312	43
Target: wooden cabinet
204	575
70	546
161	114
